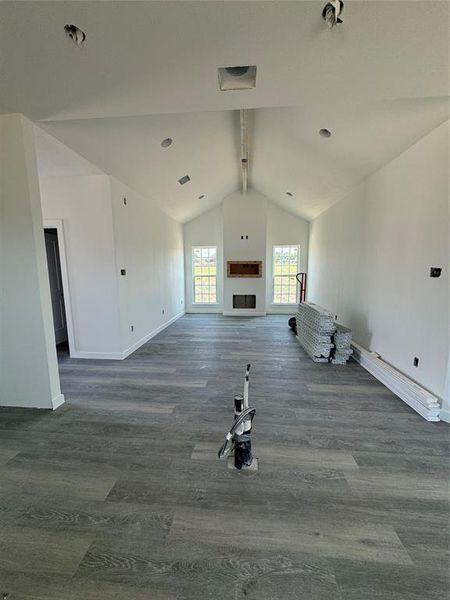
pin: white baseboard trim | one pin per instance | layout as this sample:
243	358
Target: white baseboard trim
56	402
204	311
444	415
150	335
131	349
244	312
426	404
98	355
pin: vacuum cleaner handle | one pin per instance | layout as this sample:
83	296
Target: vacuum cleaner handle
247	372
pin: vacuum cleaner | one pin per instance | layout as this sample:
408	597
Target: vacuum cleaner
239	436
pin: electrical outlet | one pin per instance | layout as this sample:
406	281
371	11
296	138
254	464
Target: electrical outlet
181	301
132	327
163	311
125	201
435	271
335	317
416	361
123	272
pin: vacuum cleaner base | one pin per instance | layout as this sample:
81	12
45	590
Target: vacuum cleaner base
252	467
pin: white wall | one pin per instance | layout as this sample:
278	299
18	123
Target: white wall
284	228
276	226
83	203
149	245
244	214
28	367
205	230
370	255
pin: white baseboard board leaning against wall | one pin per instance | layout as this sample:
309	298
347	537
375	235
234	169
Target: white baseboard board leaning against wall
426	404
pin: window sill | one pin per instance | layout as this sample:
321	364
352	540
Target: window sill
197	304
284	305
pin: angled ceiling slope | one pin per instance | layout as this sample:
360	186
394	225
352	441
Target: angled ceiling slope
205	147
378	82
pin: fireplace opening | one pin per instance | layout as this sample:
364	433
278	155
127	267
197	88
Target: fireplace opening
241	268
244	301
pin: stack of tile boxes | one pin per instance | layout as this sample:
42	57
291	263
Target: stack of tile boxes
322	338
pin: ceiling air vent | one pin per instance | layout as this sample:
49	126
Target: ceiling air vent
184	179
237	78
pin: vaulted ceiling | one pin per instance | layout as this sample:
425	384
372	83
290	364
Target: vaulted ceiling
148	71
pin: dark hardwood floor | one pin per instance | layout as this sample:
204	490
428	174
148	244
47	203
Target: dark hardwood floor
119	494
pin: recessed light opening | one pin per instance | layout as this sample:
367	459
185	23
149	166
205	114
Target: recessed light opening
237	71
240	77
167	142
184	179
325	133
75	34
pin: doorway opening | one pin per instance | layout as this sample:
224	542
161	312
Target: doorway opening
57	291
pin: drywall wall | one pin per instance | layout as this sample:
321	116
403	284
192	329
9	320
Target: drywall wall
283	228
445	406
205	230
149	246
83	203
28	366
370	256
244	215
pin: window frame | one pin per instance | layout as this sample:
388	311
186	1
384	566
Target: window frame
194	303
281	304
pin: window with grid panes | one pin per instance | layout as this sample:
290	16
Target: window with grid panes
204	273
285	267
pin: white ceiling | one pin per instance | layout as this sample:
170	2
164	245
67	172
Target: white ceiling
55	159
149	70
205	147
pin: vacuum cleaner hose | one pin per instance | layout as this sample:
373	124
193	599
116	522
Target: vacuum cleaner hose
246	414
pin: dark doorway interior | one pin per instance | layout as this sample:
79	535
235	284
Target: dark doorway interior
56	287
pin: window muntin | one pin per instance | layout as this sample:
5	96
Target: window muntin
285	267
204	274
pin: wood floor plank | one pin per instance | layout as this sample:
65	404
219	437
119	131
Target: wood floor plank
400	484
34	551
56	481
370	543
6	455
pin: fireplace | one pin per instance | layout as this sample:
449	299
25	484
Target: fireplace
244	301
244	268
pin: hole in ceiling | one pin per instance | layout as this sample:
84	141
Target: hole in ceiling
201	197
237	71
75	34
326	133
184	179
289	194
167	142
237	78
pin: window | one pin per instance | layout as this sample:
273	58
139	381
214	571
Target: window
204	272
285	267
